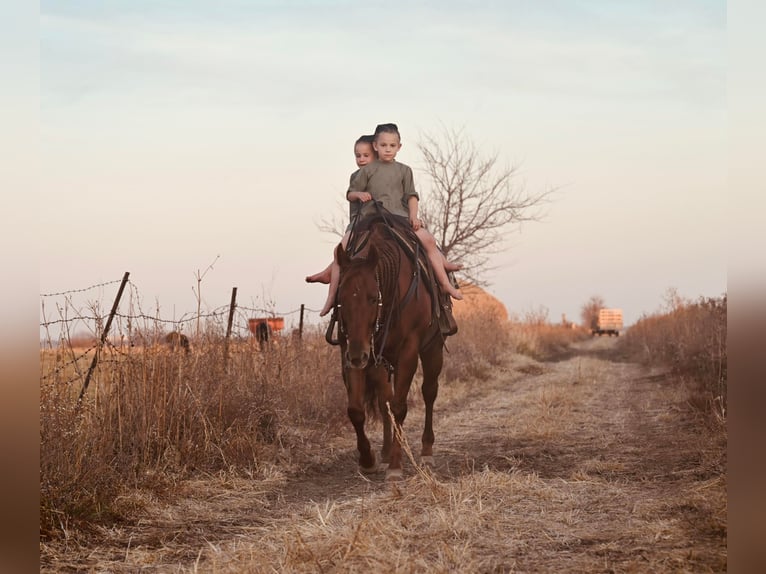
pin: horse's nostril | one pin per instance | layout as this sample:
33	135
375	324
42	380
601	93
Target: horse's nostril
358	362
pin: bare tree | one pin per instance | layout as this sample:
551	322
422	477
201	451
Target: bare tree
589	311
337	222
473	202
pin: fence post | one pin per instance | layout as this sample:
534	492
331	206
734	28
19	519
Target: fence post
232	306
94	362
300	324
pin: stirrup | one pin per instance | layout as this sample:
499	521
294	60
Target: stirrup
447	322
328	336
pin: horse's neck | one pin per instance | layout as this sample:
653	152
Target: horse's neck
389	268
401	242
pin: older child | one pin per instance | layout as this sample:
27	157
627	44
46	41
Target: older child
393	186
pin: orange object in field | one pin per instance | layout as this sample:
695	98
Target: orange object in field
274	323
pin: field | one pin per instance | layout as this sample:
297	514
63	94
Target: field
575	460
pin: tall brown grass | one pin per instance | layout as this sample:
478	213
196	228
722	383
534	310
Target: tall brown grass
481	343
533	335
690	338
153	416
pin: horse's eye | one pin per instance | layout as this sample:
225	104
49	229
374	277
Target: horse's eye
373	300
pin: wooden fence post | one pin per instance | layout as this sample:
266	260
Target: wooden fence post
232	306
94	362
300	324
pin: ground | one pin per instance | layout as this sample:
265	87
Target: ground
601	465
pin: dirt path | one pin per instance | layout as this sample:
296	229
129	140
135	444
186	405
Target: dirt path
629	478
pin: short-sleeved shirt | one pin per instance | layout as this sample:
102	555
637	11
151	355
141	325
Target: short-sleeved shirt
391	183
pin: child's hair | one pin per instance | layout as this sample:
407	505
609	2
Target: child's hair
388	129
365	139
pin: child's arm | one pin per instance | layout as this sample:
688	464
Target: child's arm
356	187
412	206
358	196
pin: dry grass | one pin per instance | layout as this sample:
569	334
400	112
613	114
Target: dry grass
544	341
691	340
482	339
196	464
151	416
554	480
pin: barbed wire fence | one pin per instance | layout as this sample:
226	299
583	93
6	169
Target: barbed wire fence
139	325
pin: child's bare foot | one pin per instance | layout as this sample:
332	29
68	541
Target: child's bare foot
449	266
321	277
454	293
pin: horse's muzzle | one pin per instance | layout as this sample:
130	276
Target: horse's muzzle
356	357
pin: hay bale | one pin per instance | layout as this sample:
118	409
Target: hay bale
476	301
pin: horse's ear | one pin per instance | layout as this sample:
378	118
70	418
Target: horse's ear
341	256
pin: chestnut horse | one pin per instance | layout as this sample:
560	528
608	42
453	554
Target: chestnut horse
385	323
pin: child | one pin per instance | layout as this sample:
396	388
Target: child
363	154
394	188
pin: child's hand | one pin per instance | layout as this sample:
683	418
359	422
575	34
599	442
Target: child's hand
415	222
361	196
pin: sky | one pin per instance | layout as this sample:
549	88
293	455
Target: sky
176	135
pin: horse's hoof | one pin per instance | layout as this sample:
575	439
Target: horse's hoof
369	470
427	460
394	474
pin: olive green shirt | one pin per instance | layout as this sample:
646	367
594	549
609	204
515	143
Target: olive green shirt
390	183
353	206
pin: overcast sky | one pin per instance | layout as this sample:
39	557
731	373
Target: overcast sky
176	132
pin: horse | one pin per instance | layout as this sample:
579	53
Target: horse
384	314
176	340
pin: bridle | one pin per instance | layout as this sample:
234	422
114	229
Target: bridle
382	324
378	326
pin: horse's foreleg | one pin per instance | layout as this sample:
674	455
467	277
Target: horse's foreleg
355	381
385	395
405	370
432	360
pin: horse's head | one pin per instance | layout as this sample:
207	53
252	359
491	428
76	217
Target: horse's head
359	302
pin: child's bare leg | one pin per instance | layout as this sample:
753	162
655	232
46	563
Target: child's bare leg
437	262
334	280
321	277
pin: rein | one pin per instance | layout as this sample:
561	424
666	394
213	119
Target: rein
412	291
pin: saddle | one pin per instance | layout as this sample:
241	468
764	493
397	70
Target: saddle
402	232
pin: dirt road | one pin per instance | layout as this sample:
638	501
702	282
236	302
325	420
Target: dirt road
609	470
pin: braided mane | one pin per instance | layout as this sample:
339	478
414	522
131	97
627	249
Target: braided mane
389	265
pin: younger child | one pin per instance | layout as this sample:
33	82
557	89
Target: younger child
363	154
394	188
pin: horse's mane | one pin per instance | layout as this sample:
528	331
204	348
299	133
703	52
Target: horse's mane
389	264
390	256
